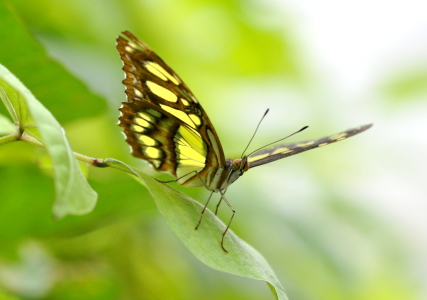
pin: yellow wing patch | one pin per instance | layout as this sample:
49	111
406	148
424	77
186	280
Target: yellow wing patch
193	138
152	152
146	140
161	92
305	144
188	156
338	137
159	71
282	150
195	119
191	153
142	122
179	114
137	128
146	117
258	157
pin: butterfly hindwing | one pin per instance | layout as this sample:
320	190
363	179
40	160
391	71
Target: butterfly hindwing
178	137
278	152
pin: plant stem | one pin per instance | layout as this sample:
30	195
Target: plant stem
95	162
13	137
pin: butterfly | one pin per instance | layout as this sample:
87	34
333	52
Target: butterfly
165	125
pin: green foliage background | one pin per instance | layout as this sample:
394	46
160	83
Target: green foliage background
304	214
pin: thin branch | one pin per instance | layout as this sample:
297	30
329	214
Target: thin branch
95	162
13	137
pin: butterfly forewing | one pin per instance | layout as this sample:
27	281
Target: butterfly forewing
278	152
162	120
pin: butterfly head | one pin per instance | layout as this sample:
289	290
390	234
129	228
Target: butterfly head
235	168
240	164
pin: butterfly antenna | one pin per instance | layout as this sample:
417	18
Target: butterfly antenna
259	123
304	128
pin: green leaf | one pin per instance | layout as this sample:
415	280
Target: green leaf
182	214
73	193
6	126
62	93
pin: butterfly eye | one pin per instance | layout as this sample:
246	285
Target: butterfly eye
245	165
240	164
236	164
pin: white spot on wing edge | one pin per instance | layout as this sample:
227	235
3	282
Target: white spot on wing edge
138	93
129	49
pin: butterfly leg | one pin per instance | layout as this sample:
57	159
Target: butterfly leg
176	179
203	210
219	203
229	222
207	202
201	179
206	205
217	206
169	181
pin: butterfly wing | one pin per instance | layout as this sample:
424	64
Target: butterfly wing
278	152
162	120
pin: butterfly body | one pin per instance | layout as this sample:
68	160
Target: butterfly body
165	125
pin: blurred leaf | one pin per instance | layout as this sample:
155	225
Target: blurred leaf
182	214
7	297
73	193
26	195
64	95
408	84
6	126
